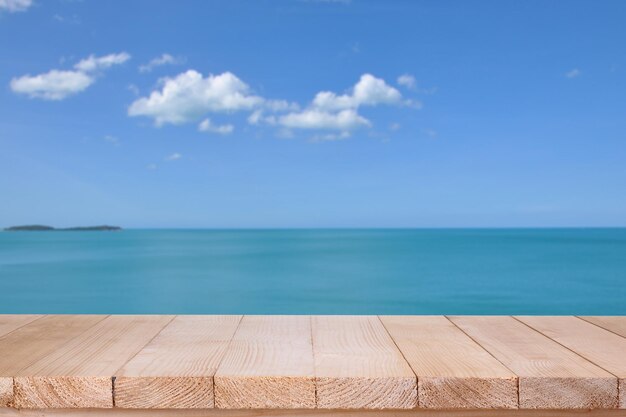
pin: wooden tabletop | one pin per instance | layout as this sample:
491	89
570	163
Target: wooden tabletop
312	362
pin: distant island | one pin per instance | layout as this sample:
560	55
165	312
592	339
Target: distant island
41	228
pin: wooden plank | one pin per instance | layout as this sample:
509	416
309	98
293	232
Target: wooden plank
176	369
79	374
594	343
268	364
357	365
117	412
452	370
24	345
550	376
6	391
10	322
615	324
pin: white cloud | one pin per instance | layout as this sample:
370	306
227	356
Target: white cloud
207	126
57	84
174	157
189	96
573	73
94	63
330	111
408	81
53	85
256	117
165	59
13	6
318	119
368	91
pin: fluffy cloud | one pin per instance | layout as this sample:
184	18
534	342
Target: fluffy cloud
57	84
53	85
189	96
331	111
174	157
13	6
165	59
207	126
368	91
94	63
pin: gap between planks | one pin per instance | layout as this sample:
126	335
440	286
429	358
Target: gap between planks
603	348
453	371
550	375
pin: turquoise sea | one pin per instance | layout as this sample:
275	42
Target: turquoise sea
368	271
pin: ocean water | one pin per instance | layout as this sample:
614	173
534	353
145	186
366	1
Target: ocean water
369	271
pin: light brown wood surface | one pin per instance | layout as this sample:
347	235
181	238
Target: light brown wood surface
79	374
268	364
261	363
615	324
308	413
550	375
357	365
24	345
8	322
176	369
452	370
604	348
6	391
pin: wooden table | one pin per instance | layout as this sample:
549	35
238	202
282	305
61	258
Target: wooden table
243	366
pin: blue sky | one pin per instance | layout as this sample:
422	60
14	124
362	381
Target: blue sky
313	113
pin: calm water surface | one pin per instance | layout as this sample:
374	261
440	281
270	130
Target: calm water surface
452	271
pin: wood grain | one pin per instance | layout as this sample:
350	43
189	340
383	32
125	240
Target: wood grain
176	369
10	322
550	375
24	345
464	364
452	370
599	346
6	391
79	373
117	412
268	364
357	365
615	324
